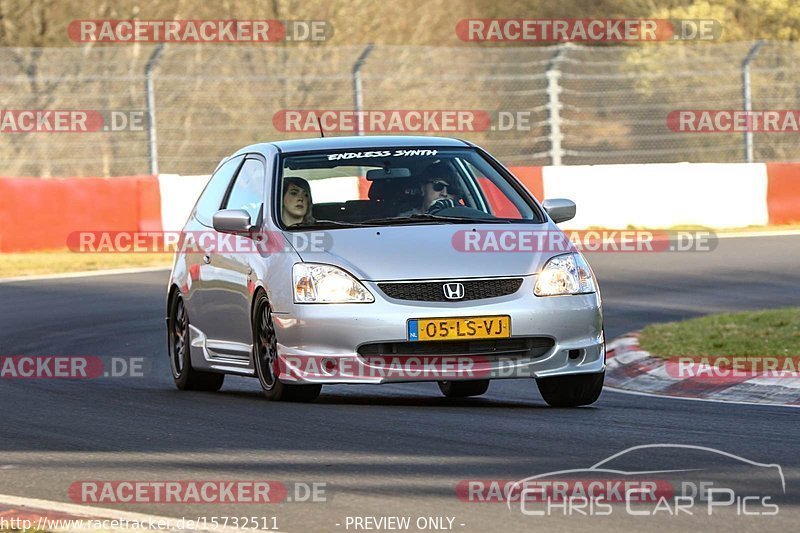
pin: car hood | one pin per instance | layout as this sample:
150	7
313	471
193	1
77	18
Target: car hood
435	251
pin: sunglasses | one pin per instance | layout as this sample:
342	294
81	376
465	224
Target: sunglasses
439	186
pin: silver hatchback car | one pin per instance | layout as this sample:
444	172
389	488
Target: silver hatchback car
376	260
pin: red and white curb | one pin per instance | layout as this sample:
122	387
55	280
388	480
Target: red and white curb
629	368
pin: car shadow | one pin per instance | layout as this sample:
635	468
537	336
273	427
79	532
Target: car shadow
397	400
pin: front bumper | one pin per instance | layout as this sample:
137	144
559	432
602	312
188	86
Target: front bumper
319	343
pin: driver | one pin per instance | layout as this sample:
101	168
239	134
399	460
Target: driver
438	190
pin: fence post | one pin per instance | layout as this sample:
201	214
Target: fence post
358	95
553	74
152	141
747	96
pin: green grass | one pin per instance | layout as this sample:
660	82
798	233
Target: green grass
61	261
774	332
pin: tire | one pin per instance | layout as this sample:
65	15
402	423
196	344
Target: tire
265	352
463	389
186	377
571	391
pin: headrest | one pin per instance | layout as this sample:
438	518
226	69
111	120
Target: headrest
387	189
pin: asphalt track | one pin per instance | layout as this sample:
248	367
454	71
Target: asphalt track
394	450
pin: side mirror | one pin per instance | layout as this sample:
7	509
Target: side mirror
235	221
560	209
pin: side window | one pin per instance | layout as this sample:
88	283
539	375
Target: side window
248	189
211	199
499	203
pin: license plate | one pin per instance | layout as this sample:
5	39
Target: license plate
474	327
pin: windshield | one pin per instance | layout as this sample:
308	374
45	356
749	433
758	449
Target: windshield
394	187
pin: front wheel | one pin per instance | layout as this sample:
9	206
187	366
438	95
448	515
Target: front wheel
571	391
265	348
186	377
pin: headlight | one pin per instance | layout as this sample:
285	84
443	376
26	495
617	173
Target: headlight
326	284
565	274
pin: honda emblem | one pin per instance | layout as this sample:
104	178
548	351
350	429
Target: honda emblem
453	291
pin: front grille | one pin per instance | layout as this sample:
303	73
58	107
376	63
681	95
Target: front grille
516	347
433	291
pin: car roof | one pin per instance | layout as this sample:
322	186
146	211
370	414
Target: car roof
353	142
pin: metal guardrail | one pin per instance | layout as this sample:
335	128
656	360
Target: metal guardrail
564	104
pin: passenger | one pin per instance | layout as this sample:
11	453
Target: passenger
297	203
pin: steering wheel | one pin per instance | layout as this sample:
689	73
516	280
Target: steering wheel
440	204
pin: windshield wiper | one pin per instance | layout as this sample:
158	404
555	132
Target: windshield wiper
419	218
411	219
428	217
321	224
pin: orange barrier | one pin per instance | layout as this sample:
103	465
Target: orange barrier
531	177
149	203
39	214
783	192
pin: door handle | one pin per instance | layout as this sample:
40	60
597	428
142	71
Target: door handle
206	259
